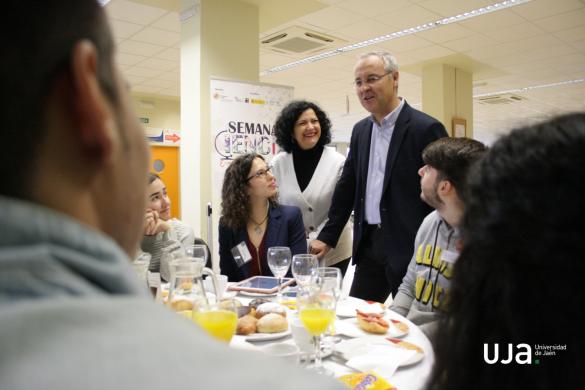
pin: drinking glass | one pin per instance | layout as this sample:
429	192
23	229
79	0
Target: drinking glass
198	251
279	258
219	319
316	302
140	265
332	277
302	266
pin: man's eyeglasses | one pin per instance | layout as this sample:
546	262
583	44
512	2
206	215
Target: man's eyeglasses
260	173
370	80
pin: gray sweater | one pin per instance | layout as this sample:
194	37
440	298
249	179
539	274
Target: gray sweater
73	316
424	288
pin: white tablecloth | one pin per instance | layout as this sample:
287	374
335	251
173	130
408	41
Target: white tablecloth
405	378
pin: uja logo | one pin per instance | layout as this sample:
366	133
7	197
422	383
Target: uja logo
523	354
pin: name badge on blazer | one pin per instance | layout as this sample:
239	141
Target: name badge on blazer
241	254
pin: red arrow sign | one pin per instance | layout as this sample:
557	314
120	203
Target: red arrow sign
173	137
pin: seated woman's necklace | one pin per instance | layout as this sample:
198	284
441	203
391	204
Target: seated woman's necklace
258	226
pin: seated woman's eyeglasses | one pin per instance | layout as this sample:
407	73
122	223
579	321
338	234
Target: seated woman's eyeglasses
260	173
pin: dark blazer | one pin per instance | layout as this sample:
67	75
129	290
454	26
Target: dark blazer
401	209
285	228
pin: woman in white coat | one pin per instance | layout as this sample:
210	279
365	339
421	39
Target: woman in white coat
307	171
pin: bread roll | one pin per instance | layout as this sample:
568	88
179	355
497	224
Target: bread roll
246	325
270	307
271	323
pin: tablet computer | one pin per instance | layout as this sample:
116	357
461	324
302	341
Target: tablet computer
261	284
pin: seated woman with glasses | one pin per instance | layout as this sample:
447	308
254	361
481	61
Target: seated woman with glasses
161	232
252	221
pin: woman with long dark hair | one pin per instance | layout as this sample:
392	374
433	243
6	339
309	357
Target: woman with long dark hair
252	220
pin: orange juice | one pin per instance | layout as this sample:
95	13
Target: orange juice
317	320
221	324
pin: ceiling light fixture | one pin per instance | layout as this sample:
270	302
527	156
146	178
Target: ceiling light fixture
530	88
103	2
398	34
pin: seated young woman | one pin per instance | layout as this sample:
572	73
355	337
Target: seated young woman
252	220
160	230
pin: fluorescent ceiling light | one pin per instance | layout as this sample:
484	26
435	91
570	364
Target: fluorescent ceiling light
407	31
103	2
530	88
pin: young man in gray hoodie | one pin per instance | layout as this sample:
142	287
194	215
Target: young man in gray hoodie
72	201
424	290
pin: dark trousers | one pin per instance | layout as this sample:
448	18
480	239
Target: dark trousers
342	265
374	278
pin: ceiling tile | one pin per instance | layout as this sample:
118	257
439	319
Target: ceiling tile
133	79
157	36
446	33
493	21
572	35
124	29
169	22
139	48
431	52
408	17
156	82
514	33
366	29
155	63
145	89
564	21
372	8
405	44
475	41
453	7
128	59
143	72
534	10
172	76
331	18
170	54
133	12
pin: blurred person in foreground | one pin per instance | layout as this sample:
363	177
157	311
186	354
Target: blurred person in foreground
379	182
72	201
307	171
252	220
425	288
517	282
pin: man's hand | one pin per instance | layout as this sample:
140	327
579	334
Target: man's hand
319	248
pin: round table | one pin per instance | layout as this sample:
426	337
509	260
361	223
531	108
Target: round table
405	378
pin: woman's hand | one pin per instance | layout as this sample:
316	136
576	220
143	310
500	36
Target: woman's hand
153	224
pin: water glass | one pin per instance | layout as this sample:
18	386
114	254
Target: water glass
279	259
302	266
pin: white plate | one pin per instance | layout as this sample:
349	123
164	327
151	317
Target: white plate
349	327
347	307
267	336
360	346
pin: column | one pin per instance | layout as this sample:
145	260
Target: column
447	94
219	39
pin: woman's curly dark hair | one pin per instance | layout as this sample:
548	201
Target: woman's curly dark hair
519	276
285	124
235	202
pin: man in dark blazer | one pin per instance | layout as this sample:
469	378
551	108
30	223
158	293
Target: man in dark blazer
380	182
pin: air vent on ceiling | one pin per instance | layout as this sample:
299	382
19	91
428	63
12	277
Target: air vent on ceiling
296	41
506	98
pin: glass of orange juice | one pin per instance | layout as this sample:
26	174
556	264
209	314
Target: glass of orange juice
316	303
219	319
